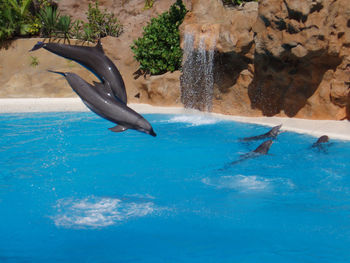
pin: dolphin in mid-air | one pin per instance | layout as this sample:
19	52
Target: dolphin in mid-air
95	60
107	107
270	134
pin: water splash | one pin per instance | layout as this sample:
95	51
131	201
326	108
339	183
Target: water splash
197	80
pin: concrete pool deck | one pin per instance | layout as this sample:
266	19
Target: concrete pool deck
334	129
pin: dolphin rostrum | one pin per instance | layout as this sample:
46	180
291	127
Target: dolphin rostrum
270	134
95	60
107	107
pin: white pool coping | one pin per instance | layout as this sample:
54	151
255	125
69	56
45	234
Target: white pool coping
334	129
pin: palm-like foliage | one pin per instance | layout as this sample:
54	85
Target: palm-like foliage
64	27
49	18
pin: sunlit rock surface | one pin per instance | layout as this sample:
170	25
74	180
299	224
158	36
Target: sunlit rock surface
281	57
302	58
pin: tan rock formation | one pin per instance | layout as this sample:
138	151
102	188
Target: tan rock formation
302	59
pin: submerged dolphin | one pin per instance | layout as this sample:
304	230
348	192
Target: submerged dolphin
95	60
270	134
321	143
322	139
262	149
107	107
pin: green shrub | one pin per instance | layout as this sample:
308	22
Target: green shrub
49	19
101	23
237	2
8	20
158	50
16	19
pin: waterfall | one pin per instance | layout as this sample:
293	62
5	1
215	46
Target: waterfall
197	80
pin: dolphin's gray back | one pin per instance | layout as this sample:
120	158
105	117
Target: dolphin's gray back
102	105
264	147
94	59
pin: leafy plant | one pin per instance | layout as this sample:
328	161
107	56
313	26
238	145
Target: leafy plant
158	50
64	27
21	7
148	4
49	19
8	22
34	61
236	2
101	23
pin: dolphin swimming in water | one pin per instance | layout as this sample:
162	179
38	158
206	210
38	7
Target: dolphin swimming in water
322	139
262	149
270	134
321	143
95	60
107	107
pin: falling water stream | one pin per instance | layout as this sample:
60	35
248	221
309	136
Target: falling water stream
197	80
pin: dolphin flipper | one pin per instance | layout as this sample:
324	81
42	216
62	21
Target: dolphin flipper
118	128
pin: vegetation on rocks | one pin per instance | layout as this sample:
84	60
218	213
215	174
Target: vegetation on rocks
41	17
236	2
158	50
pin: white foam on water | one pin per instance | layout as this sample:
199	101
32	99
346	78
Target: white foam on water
194	120
95	212
243	183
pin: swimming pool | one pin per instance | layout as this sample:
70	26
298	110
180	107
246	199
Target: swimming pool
72	191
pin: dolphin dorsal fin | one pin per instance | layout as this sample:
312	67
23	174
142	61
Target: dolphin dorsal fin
99	46
118	128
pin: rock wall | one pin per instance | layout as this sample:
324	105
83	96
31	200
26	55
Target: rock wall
278	58
302	58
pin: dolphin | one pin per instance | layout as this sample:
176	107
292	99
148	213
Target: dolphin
270	134
262	149
321	143
95	60
107	107
322	139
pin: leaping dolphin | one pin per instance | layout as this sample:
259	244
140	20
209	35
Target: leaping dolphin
270	134
95	60
107	107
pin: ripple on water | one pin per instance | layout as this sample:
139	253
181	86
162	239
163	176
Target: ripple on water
96	212
252	183
194	120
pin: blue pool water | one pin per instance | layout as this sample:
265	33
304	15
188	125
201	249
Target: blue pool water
72	191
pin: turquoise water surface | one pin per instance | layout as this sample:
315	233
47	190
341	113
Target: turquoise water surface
72	191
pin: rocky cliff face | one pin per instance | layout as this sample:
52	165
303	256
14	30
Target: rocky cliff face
281	57
302	58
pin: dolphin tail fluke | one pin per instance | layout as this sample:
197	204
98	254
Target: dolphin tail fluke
37	46
118	128
57	72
